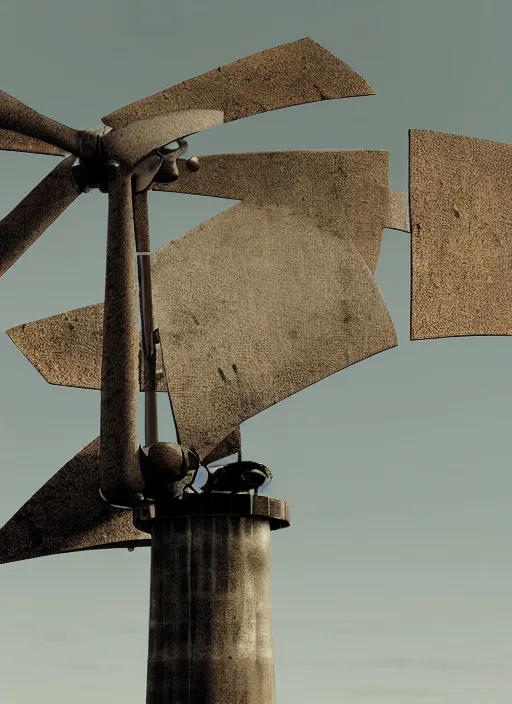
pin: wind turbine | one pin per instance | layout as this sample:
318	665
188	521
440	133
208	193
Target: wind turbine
287	297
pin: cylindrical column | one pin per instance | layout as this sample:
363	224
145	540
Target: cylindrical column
210	636
119	453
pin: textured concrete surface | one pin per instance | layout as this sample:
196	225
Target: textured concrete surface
36	212
460	222
130	144
289	74
210	638
293	298
119	456
68	514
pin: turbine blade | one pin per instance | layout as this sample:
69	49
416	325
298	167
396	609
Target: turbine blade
132	143
278	304
330	186
36	212
14	142
17	117
119	458
230	446
66	349
460	223
67	514
290	74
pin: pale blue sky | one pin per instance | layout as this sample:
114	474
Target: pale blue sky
394	582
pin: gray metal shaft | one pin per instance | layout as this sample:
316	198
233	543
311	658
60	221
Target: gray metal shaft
210	636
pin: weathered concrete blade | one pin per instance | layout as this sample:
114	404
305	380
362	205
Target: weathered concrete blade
132	143
66	349
18	117
345	191
15	142
67	514
36	212
289	74
461	224
278	303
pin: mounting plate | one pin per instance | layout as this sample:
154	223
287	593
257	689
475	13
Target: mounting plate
275	511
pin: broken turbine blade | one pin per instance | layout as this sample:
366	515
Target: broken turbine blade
67	514
281	304
290	74
460	226
17	117
36	212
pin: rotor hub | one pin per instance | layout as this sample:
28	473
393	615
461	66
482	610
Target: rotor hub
160	165
91	170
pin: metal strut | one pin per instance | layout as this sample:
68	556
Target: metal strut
142	241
